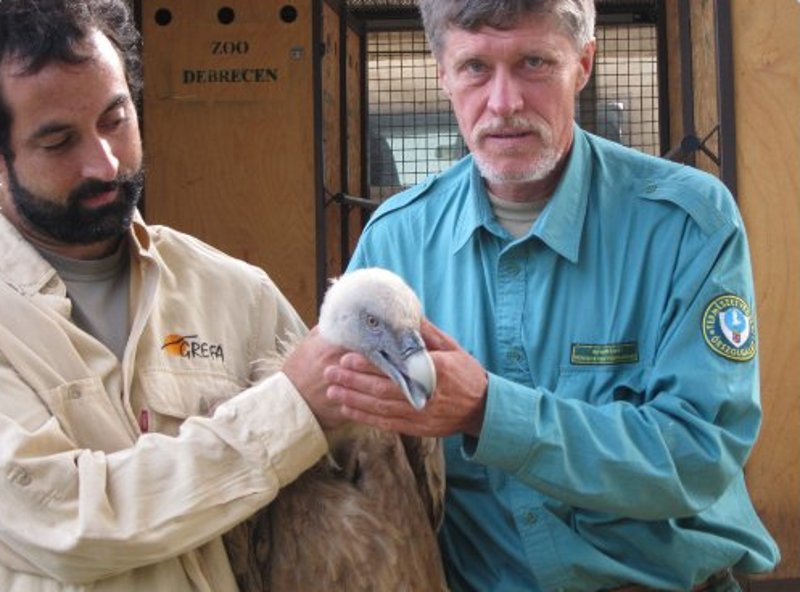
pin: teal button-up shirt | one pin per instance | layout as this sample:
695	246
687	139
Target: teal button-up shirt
619	336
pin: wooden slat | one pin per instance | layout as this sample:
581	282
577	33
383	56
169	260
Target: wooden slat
355	71
676	131
332	135
233	162
704	73
766	46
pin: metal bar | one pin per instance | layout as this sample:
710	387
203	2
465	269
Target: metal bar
363	108
319	182
683	149
687	75
725	99
704	148
364	104
344	159
662	59
352	200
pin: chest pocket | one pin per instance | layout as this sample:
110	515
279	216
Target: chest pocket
599	385
168	398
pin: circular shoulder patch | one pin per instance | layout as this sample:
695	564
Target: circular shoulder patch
729	329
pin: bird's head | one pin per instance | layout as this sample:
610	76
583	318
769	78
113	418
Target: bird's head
374	312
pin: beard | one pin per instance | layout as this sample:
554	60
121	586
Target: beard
72	222
537	167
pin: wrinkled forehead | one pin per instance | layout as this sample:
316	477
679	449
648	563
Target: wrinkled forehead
545	21
536	25
533	37
63	93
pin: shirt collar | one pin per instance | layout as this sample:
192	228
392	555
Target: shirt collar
23	267
476	211
559	226
561	223
140	238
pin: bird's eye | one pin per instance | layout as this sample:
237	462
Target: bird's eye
372	322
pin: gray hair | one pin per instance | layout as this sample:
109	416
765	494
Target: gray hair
575	17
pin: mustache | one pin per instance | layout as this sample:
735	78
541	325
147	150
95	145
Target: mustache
93	187
512	124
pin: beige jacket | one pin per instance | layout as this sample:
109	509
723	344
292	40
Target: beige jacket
90	502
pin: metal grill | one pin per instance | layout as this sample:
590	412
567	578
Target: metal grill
412	131
622	96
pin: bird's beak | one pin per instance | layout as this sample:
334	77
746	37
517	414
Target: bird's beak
409	364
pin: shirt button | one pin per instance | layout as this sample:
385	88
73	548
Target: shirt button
530	517
74	392
514	355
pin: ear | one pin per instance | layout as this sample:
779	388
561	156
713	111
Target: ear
443	82
585	65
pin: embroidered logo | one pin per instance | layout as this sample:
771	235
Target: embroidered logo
729	329
189	346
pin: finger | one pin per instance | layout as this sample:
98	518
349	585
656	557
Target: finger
390	424
359	363
387	408
371	382
435	338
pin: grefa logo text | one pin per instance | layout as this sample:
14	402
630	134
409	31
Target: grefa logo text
190	347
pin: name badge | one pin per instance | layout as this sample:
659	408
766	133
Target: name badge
603	354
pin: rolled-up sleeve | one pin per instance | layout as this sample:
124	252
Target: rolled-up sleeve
78	515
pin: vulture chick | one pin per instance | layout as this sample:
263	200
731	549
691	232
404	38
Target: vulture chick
364	518
374	312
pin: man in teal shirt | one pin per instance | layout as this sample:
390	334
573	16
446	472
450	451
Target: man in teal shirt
600	392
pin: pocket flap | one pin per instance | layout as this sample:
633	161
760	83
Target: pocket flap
185	394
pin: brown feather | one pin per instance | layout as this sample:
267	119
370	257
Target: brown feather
363	519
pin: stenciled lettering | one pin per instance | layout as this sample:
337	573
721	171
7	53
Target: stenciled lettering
229	47
231	76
